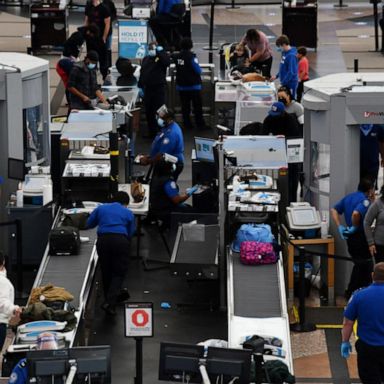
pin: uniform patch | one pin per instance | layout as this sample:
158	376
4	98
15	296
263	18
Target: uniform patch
195	60
13	377
166	141
366	203
173	185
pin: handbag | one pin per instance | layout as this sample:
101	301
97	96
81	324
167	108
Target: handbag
257	253
137	192
252	232
77	220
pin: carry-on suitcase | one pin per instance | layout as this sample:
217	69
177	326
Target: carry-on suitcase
64	241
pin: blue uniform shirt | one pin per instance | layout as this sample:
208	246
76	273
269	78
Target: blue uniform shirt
19	373
112	218
171	189
370	137
165	6
367	307
169	140
356	201
196	87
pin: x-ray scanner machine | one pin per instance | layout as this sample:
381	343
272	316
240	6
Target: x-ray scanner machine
335	107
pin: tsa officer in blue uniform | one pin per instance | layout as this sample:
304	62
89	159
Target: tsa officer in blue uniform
354	206
165	196
116	226
367	307
169	140
188	83
371	148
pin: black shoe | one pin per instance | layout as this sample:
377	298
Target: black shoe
109	309
123	296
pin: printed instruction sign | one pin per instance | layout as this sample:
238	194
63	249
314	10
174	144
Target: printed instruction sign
133	38
295	150
138	320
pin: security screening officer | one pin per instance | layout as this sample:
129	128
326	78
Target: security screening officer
165	196
188	83
367	307
152	84
169	140
354	206
116	225
19	375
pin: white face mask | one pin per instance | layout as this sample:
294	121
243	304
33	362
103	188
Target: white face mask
152	52
91	66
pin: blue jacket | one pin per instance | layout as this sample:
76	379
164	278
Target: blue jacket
188	71
169	140
289	68
112	218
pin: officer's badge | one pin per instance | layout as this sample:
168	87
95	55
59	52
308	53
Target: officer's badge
166	141
173	185
366	203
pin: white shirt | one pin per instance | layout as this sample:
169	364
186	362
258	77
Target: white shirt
7	298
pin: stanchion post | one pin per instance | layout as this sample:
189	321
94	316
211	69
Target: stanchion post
211	47
114	155
376	24
302	326
139	360
340	5
233	6
355	65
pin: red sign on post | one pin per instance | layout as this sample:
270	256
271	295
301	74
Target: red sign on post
138	320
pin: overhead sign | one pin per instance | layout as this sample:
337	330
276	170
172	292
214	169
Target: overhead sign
133	39
138	320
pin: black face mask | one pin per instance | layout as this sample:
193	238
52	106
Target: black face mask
282	100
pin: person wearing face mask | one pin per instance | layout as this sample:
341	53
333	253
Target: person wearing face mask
7	296
292	107
152	84
165	196
288	70
82	83
169	140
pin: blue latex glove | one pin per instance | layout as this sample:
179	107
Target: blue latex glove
342	231
192	190
141	93
350	230
345	349
159	48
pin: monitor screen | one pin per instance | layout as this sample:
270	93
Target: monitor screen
204	149
305	216
177	360
93	364
229	363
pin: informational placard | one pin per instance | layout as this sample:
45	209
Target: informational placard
138	320
295	150
133	38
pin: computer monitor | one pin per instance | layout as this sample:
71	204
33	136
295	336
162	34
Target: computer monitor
180	360
93	364
48	363
204	149
229	363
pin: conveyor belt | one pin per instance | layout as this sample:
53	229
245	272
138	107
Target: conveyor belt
195	252
69	271
256	290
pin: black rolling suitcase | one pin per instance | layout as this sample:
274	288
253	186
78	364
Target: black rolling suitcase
64	241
